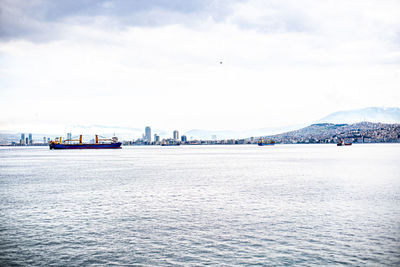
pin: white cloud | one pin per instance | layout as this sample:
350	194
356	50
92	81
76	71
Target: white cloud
283	63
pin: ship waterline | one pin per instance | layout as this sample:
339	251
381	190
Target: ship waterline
86	146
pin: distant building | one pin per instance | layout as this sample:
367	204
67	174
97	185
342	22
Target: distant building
30	139
176	135
44	140
148	134
26	141
69	136
22	140
156	138
183	138
214	137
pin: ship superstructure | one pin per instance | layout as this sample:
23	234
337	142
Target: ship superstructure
267	142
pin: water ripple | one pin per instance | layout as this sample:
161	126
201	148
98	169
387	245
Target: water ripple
210	205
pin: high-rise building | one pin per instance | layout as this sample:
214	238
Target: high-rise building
30	139
26	140
69	136
147	131
183	138
44	140
156	138
176	135
22	140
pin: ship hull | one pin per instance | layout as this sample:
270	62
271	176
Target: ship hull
345	144
86	146
266	144
170	144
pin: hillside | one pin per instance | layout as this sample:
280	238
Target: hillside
364	132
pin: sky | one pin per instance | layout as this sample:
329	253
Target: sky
199	64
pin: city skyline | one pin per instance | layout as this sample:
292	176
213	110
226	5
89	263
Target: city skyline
363	132
204	64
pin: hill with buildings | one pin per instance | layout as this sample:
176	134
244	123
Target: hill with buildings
362	132
368	125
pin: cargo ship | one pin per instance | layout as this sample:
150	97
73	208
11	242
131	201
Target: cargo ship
266	143
104	143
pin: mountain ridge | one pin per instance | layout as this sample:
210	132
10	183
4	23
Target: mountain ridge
370	114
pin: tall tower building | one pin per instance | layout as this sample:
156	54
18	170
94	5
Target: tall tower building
30	139
22	141
147	131
156	138
69	136
176	135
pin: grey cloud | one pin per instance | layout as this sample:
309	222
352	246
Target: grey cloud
38	20
277	19
269	24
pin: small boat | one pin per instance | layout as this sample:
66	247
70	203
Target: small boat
104	143
266	143
171	144
340	142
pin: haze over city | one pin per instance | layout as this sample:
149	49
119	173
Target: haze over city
194	64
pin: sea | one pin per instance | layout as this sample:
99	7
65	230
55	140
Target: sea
237	205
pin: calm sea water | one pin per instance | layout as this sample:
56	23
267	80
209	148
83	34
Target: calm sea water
201	205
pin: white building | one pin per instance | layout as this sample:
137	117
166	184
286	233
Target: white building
147	134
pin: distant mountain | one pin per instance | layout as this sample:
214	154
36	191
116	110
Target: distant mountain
371	114
229	134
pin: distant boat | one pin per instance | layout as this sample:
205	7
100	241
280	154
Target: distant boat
171	144
340	142
266	143
105	143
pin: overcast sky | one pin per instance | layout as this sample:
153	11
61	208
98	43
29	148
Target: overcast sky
158	63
